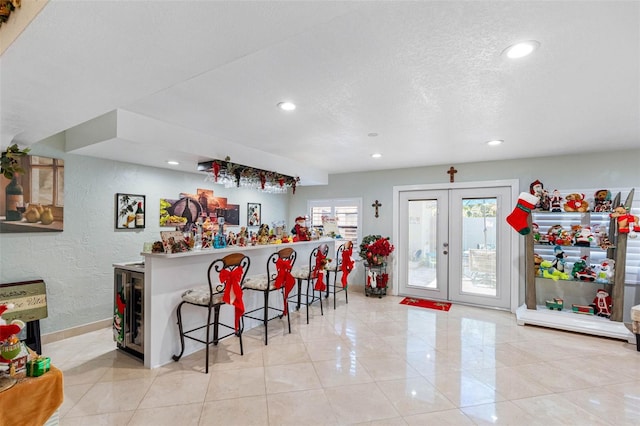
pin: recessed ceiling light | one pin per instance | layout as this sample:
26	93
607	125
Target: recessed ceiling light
287	106
376	155
172	162
495	142
522	49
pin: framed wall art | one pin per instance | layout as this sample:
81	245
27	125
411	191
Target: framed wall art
33	200
130	211
254	215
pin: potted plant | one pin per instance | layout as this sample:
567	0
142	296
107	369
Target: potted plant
374	249
9	161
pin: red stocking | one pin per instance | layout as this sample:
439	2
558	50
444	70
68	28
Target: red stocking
518	217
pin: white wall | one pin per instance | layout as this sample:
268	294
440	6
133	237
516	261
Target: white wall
76	264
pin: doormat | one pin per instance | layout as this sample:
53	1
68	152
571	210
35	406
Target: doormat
424	303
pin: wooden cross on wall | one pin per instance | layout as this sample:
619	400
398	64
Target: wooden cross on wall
451	172
376	205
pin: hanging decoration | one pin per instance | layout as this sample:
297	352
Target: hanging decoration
231	175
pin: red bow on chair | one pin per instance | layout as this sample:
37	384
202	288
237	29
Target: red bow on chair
285	278
347	265
233	291
318	272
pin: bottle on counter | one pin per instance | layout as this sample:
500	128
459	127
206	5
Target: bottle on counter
15	200
139	216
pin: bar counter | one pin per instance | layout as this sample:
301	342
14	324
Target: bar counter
167	276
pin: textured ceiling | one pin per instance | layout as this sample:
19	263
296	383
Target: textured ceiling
201	80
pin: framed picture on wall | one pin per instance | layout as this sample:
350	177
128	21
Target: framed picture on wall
254	215
130	211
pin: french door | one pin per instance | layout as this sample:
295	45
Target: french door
455	245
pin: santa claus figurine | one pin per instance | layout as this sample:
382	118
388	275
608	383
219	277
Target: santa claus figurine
13	328
300	230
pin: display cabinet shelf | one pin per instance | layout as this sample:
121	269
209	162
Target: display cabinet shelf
532	312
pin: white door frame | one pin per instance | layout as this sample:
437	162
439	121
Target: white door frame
516	243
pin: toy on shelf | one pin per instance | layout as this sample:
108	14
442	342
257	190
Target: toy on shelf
535	231
627	223
564	238
602	303
556	201
583	309
576	203
582	270
602	201
537	261
556	303
606	271
537	189
548	271
552	234
583	236
602	239
560	261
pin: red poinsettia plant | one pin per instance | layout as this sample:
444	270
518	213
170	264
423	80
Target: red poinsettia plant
375	248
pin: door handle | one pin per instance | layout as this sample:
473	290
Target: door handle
445	252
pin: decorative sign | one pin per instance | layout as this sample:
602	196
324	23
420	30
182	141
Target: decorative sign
29	298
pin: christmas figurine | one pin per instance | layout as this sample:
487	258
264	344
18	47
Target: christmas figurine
627	223
537	188
300	230
8	330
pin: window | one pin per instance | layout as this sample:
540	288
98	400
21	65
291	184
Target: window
47	181
345	211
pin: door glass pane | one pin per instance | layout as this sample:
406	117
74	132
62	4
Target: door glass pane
479	246
422	243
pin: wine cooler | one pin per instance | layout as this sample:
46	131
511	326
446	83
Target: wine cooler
128	315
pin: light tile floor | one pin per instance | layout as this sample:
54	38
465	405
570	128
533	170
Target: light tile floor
372	362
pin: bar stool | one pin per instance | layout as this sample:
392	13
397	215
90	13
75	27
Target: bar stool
342	263
231	271
278	277
313	274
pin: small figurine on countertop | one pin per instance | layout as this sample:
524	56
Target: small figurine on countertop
537	189
576	203
627	223
231	238
263	234
243	237
300	229
602	201
556	201
602	303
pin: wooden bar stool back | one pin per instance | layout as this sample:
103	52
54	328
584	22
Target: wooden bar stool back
277	278
313	274
342	264
225	278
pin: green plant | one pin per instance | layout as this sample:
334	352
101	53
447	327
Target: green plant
9	161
